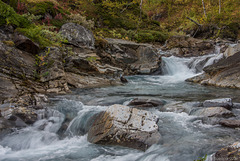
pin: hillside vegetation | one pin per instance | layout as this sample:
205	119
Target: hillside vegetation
153	21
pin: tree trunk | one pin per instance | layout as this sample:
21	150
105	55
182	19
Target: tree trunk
219	6
140	17
141	9
204	10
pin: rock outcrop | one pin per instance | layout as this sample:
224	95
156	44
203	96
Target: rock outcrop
23	43
224	73
25	71
77	35
183	46
125	126
132	57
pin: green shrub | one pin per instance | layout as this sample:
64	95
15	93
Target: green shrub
42	35
150	36
12	3
9	17
41	8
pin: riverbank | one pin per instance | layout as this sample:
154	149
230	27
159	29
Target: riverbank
84	64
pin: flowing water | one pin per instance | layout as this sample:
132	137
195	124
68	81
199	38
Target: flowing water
184	137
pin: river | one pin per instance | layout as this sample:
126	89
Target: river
184	137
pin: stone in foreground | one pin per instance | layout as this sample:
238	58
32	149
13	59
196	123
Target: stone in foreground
125	126
228	153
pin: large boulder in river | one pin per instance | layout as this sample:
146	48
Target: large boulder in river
125	126
77	35
184	46
224	73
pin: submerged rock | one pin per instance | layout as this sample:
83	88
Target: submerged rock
222	102
125	126
228	153
179	107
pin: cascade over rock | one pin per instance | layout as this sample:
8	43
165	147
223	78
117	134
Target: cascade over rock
125	126
224	73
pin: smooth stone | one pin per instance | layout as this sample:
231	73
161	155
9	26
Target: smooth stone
125	126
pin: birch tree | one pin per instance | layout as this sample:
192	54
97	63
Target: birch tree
204	9
219	6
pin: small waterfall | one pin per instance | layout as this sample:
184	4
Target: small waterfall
41	133
183	68
83	121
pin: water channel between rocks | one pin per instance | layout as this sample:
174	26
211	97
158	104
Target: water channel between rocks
184	137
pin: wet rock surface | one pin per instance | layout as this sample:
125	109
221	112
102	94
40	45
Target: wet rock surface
230	123
212	112
139	102
224	73
121	125
228	153
222	102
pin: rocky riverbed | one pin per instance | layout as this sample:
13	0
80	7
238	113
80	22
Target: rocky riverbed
38	111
